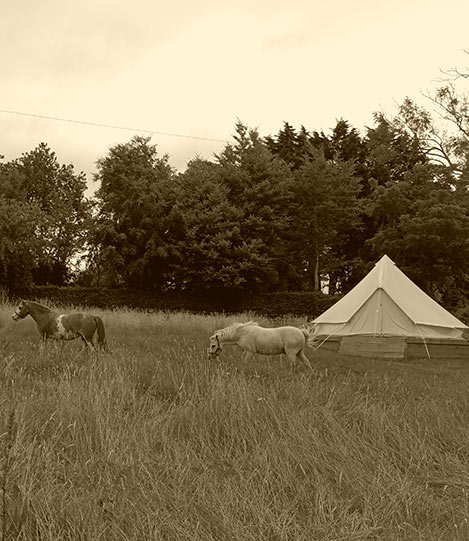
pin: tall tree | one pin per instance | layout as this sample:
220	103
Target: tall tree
344	145
260	184
326	205
423	224
133	201
58	193
206	249
20	248
46	201
296	147
391	151
445	142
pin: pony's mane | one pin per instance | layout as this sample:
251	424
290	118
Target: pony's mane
40	306
229	332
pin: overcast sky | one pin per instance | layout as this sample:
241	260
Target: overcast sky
193	68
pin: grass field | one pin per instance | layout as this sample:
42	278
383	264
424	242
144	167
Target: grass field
154	442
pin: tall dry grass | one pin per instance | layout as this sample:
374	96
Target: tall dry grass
153	441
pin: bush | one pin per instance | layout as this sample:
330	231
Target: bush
310	304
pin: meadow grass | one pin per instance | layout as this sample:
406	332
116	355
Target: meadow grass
154	441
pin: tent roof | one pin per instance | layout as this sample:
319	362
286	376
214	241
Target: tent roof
416	304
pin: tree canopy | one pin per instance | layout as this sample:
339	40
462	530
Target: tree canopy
296	210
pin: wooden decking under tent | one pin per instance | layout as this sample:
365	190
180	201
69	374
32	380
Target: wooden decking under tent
439	349
395	347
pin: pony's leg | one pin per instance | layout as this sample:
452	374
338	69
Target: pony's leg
88	344
302	357
291	356
42	344
294	355
247	356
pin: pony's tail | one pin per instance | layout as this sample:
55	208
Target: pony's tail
306	332
101	333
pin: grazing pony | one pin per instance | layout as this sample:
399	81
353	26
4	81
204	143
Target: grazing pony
50	324
254	339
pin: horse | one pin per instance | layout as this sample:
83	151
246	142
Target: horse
266	341
50	324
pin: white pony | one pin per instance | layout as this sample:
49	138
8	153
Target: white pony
254	339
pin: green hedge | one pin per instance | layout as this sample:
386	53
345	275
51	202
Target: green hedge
308	304
282	303
271	304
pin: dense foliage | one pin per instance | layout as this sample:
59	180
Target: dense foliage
291	211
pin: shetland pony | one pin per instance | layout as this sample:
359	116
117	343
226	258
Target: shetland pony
266	341
50	324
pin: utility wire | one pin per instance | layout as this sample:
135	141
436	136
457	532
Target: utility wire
110	126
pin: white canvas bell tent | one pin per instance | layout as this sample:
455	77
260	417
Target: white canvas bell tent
387	303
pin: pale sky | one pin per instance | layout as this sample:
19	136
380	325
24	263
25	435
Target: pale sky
194	67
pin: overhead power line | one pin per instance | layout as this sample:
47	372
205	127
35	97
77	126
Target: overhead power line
100	125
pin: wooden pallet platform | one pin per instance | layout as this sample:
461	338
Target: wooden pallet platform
392	347
444	349
396	347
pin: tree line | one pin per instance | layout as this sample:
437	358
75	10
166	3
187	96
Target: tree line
290	211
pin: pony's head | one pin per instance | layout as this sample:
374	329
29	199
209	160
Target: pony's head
214	346
22	311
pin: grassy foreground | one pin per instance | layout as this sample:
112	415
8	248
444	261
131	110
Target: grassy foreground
154	442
